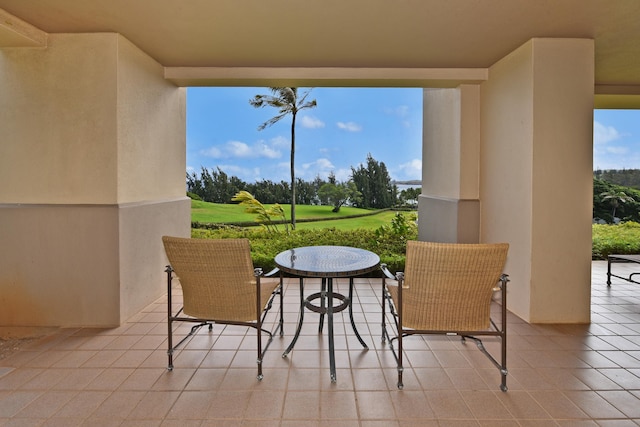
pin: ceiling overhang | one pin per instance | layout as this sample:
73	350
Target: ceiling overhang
324	77
15	32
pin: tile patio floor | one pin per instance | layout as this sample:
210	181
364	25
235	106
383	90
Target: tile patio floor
559	375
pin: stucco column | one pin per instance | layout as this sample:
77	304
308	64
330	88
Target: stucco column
92	166
448	208
536	175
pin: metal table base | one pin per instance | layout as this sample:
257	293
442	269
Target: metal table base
326	297
327	263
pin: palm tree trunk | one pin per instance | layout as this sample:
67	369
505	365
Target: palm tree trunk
293	177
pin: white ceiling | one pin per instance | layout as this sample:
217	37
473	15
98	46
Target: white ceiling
398	34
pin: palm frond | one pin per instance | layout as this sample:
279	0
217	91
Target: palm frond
272	121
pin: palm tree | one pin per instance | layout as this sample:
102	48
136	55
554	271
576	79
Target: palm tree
287	101
615	198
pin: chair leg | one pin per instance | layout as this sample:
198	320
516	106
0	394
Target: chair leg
169	271
259	360
170	349
281	291
400	367
386	299
384	314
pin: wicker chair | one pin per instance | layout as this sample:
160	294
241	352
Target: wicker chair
219	285
447	288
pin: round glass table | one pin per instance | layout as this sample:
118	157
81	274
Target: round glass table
327	263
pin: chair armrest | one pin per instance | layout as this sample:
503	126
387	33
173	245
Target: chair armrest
386	272
502	281
399	276
272	272
259	273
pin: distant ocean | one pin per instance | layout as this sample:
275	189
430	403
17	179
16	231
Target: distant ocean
406	186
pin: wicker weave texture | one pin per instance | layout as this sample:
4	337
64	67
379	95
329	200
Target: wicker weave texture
217	278
449	286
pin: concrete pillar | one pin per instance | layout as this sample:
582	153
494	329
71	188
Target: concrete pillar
449	209
536	175
92	166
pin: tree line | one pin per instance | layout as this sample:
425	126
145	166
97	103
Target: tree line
623	177
369	186
613	202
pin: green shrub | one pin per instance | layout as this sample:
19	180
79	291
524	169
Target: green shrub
615	239
193	196
389	242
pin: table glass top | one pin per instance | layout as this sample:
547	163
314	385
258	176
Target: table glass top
327	261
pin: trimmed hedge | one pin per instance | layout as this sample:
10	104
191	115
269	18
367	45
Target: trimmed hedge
389	242
615	239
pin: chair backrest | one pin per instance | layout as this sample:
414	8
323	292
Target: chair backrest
216	276
450	285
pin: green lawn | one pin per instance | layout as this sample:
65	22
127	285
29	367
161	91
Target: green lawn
369	222
232	213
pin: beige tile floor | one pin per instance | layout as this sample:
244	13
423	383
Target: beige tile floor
559	375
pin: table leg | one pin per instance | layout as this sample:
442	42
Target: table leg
323	294
332	355
300	319
353	323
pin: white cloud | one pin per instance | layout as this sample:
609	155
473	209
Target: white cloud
279	141
213	152
311	122
246	174
264	150
349	126
320	167
342	175
603	134
238	149
318	164
610	150
410	170
399	111
617	150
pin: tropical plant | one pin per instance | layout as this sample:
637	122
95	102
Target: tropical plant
263	214
287	101
615	198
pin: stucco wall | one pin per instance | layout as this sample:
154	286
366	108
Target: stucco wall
536	175
448	207
59	121
91	176
151	147
151	118
59	265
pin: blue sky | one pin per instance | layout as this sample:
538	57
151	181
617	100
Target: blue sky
346	125
616	139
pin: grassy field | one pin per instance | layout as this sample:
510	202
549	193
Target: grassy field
230	213
369	222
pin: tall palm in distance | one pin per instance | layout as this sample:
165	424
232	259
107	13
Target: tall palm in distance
615	198
288	102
